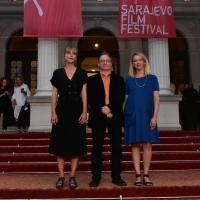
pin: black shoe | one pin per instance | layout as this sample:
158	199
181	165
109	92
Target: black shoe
147	183
94	183
138	183
60	182
119	182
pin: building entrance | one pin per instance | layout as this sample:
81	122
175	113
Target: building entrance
93	43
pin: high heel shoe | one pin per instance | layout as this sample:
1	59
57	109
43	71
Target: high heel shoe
147	183
138	183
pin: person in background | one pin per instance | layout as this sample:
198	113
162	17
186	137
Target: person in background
106	92
198	110
140	114
186	86
173	88
68	116
180	89
4	102
190	98
21	92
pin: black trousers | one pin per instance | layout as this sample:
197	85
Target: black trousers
115	134
4	109
21	121
190	118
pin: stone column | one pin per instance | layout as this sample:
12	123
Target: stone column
195	67
124	62
47	63
168	117
159	62
135	45
41	101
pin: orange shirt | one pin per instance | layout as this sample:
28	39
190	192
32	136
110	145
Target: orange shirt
106	83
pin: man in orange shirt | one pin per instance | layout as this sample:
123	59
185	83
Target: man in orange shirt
106	93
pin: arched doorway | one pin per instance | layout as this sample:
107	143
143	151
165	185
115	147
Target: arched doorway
21	59
93	43
179	60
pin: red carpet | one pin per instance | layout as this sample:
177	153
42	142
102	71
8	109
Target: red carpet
28	171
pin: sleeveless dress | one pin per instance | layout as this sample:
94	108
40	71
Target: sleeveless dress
68	137
139	110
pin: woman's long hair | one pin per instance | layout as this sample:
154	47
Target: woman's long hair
132	70
1	82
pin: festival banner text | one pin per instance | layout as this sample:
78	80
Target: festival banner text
146	19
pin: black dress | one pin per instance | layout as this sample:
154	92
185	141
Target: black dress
68	137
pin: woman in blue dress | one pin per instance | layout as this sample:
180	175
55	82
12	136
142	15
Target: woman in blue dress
141	112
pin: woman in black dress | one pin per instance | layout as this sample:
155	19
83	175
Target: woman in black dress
69	115
4	102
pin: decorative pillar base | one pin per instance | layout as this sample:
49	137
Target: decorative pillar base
40	114
168	116
43	93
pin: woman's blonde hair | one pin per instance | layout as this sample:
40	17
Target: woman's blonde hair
70	48
132	70
20	77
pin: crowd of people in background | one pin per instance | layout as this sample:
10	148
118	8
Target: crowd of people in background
13	102
189	106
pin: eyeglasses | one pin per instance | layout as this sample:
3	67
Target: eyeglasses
103	61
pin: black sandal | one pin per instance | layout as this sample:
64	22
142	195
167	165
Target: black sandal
138	183
72	183
147	183
60	182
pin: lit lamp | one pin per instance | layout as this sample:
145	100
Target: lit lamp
96	45
100	0
13	0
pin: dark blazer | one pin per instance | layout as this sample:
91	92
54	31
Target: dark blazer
190	98
96	99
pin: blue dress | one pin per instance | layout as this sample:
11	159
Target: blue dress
139	110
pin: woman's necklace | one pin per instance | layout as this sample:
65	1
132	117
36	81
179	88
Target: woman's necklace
141	85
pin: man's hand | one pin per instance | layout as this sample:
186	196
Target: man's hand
105	110
109	115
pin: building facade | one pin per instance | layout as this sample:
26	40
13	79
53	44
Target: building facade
177	60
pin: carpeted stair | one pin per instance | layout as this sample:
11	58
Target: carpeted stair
28	154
